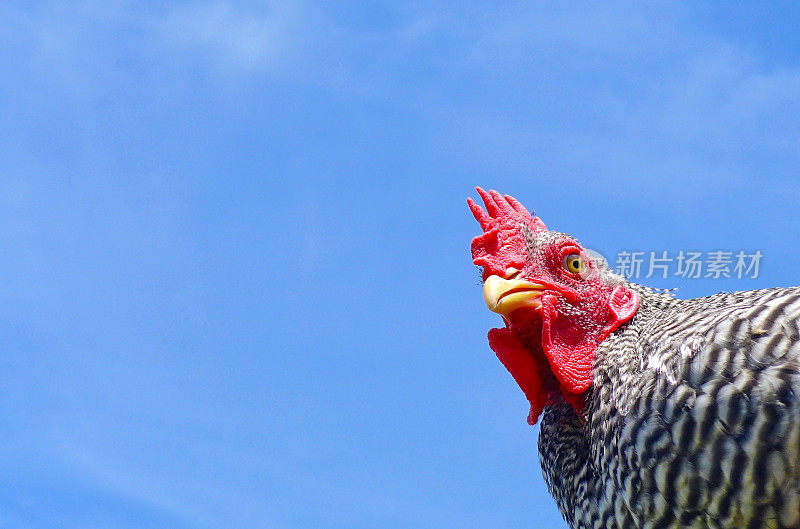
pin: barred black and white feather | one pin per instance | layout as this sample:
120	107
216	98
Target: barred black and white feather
693	422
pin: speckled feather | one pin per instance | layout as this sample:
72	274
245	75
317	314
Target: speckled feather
693	420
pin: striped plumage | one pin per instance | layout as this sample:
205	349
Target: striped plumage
694	419
655	412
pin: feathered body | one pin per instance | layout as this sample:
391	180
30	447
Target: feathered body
693	420
655	412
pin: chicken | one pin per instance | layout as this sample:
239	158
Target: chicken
654	412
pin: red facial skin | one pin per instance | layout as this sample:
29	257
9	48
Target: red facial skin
548	350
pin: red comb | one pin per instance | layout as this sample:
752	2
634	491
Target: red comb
502	245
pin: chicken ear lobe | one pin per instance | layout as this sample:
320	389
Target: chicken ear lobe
623	303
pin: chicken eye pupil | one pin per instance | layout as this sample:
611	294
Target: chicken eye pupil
574	263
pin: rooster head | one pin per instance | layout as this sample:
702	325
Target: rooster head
557	302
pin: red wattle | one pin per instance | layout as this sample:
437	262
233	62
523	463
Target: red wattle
523	366
570	342
569	347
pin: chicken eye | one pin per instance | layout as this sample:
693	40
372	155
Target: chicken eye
574	263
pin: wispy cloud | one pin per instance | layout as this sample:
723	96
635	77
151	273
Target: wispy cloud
261	40
586	36
285	38
87	41
620	91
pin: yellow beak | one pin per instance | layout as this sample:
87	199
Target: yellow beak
504	296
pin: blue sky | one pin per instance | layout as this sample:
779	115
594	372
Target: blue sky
235	274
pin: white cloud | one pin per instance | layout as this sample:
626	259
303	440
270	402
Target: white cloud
625	89
419	27
620	92
255	39
84	41
586	34
263	39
